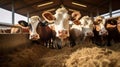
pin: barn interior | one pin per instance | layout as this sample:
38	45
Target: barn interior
16	50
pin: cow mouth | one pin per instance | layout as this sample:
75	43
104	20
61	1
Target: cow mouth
63	36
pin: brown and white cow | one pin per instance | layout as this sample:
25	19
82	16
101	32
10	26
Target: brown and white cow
61	24
87	25
81	29
40	31
76	31
23	25
112	27
100	32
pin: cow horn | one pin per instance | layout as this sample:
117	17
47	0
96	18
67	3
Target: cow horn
48	16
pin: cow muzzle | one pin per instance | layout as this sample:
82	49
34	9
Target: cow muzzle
62	33
103	33
91	34
34	37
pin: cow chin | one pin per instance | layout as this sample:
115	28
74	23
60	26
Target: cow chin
62	37
34	37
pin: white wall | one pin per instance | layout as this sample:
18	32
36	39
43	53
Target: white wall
6	16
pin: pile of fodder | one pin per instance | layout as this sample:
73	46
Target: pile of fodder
93	57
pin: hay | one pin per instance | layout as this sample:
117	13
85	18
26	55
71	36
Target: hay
93	57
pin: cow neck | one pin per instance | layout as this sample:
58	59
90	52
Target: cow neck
97	27
42	24
118	27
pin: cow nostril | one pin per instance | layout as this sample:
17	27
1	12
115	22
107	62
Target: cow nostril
66	32
59	31
35	36
87	33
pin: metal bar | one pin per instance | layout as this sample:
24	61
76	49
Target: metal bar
91	14
98	12
28	16
30	5
110	8
9	25
13	11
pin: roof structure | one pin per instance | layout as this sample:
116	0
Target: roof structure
86	7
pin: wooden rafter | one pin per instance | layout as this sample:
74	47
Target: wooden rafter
30	5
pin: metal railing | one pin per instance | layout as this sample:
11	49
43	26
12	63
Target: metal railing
11	26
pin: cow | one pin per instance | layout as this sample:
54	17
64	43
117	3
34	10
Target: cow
87	25
23	25
61	25
40	31
76	33
81	28
112	27
2	31
118	24
100	32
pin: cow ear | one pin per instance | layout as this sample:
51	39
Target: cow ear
75	15
23	23
77	22
48	17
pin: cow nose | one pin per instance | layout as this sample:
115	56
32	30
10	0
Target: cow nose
104	32
90	34
62	31
34	37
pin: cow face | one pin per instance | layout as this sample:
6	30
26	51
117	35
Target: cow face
100	25
61	22
34	21
87	25
118	21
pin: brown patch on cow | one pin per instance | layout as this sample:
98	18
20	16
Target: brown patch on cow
118	27
77	22
76	15
97	27
110	26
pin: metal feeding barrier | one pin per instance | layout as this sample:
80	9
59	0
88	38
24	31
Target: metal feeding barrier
11	26
10	41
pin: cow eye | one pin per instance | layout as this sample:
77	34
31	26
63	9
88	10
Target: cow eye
30	27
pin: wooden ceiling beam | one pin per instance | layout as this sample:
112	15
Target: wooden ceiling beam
54	6
103	3
4	4
7	3
76	8
92	5
30	5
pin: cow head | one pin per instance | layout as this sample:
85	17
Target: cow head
100	25
61	22
87	25
34	21
118	21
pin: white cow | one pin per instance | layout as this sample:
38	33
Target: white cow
100	25
87	24
61	23
81	28
76	31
